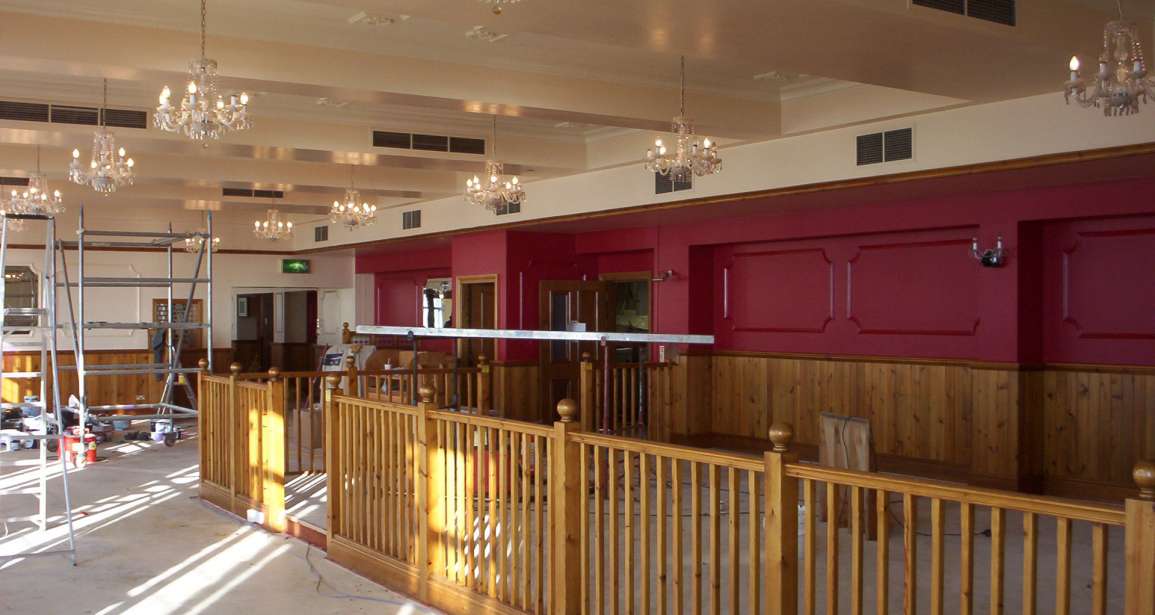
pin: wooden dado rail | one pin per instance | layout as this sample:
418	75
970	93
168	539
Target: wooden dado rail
476	514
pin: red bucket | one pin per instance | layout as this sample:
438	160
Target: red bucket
73	447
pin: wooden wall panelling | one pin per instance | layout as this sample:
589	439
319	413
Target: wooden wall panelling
516	392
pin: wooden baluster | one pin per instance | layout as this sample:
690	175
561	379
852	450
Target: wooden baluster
584	546
491	520
781	537
715	540
1099	569
752	548
910	553
732	509
1063	566
502	517
524	566
856	531
678	561
937	517
599	534
831	548
612	566
644	530
882	554
467	501
998	543
1030	563
1139	547
809	576
695	539
628	527
539	472
966	559
663	590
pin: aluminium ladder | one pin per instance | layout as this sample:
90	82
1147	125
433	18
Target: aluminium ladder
174	329
45	327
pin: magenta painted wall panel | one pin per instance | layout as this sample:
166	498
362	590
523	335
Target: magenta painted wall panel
1100	291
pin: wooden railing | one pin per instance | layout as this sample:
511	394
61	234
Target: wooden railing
638	401
241	427
478	514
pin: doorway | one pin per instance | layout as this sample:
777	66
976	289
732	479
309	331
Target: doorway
253	344
476	309
569	305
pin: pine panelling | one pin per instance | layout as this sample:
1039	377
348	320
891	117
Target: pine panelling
1097	425
517	392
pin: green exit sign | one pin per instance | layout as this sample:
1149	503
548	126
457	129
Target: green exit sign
295	265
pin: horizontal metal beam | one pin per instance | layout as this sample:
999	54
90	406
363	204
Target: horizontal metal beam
558	336
145	325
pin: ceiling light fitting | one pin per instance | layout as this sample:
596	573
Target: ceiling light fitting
273	227
109	167
689	155
1121	82
35	198
351	211
202	113
193	244
498	189
498	6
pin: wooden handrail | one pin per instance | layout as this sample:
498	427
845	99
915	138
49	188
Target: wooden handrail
738	461
977	496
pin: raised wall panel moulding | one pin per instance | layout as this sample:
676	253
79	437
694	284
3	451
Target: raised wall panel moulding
811	306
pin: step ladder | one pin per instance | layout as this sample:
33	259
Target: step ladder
174	330
45	328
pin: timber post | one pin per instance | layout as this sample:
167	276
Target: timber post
781	538
588	393
1140	543
352	386
430	494
565	503
332	388
234	426
273	434
484	386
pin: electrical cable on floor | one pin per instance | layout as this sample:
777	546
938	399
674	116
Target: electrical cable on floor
335	592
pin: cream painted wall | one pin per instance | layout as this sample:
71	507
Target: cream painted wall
974	134
231	271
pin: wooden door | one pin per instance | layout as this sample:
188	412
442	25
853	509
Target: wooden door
562	303
477	309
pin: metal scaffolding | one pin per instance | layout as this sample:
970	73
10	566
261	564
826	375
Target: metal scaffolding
45	327
174	329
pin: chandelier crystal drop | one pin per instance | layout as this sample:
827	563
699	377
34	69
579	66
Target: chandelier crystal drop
35	198
202	113
688	155
1121	82
109	166
496	189
351	211
273	227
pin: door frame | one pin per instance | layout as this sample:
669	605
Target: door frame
459	312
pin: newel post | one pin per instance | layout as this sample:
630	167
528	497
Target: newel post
234	425
484	386
1140	543
781	538
335	472
273	434
352	386
565	503
202	407
588	393
430	494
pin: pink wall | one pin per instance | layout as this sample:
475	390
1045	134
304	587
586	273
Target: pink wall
877	279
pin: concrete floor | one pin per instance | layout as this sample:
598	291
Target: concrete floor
146	544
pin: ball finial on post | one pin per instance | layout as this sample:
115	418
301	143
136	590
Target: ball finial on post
781	434
346	334
567	409
235	368
426	393
1144	476
203	364
585	357
274	373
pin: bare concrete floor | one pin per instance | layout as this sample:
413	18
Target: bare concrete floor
146	544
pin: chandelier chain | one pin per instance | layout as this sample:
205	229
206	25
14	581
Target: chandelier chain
687	155
682	111
204	26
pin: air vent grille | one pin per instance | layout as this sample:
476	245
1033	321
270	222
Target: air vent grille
507	208
320	233
61	114
253	194
428	143
664	184
411	219
24	112
997	11
13	181
886	146
125	118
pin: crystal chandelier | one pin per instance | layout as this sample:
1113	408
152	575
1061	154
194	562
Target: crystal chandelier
193	244
689	156
202	113
273	227
351	211
499	189
37	197
109	167
1122	82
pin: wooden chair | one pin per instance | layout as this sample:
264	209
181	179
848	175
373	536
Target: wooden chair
845	443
